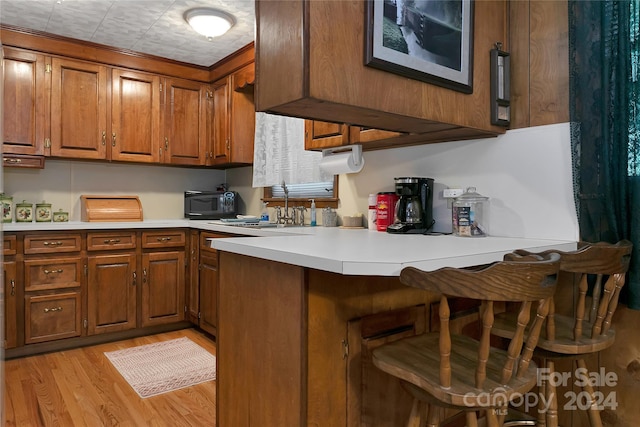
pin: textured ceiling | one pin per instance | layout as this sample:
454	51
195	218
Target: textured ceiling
154	27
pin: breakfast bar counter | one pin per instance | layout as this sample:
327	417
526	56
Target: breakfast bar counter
300	312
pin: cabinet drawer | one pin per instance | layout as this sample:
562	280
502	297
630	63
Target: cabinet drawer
111	241
9	244
52	273
163	239
52	317
51	243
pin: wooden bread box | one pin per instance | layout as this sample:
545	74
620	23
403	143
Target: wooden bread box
110	208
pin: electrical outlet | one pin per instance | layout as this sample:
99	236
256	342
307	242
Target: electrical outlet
450	193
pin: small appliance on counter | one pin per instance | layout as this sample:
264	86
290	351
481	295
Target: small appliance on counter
414	208
210	204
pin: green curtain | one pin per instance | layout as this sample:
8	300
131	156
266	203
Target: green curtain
605	117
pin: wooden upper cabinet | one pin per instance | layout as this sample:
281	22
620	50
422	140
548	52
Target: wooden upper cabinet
234	118
26	102
318	134
310	62
221	142
78	110
135	116
185	122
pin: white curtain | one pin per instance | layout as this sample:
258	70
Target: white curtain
279	153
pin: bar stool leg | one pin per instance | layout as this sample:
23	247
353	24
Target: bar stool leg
542	399
594	413
433	417
472	419
415	418
551	398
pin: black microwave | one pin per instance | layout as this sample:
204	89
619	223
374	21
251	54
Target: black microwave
210	204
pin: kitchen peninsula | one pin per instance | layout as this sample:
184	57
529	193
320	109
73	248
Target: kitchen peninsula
300	313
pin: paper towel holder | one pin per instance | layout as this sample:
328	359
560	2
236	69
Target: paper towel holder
356	152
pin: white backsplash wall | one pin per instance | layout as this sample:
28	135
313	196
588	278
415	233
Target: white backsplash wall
61	183
525	172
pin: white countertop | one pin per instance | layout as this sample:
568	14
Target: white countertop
364	252
335	249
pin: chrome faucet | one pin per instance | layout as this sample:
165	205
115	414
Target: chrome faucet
286	218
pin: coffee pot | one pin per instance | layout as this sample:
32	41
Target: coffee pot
413	210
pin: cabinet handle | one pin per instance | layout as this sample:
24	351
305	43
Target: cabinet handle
47	310
13	287
135	277
8	160
58	243
104	137
228	144
144	275
52	271
163	239
113	139
166	143
108	241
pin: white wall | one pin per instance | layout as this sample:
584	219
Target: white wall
526	173
61	183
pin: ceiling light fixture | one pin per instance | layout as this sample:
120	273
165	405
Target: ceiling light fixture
209	22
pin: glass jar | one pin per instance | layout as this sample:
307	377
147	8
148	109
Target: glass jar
7	208
470	215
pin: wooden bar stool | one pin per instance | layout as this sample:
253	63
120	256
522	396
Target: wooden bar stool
454	371
589	330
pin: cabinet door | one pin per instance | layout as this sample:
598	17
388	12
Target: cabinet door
221	142
319	135
135	116
10	314
193	294
163	276
377	398
185	141
111	302
209	293
26	102
78	109
242	115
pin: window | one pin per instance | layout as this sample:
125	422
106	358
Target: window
324	193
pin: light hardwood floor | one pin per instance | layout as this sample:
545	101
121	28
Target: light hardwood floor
80	387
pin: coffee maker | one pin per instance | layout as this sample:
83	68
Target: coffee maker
414	208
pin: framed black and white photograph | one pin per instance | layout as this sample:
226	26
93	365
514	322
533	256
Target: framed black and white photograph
427	40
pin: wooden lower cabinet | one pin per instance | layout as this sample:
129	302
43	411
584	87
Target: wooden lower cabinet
111	293
203	284
84	284
163	287
208	277
10	304
315	331
379	399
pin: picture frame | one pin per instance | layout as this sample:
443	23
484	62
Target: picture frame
430	40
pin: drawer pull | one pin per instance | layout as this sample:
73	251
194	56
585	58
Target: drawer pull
58	243
54	309
163	239
13	287
110	241
53	271
144	275
10	160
